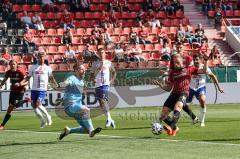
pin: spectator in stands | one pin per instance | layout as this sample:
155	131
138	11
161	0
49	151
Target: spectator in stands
113	20
66	20
207	5
28	39
69	56
176	5
143	36
67	36
106	38
133	37
27	21
5	57
123	5
37	21
163	38
3	26
165	52
189	35
226	5
87	54
147	4
80	5
137	53
152	19
199	34
119	54
104	20
96	37
180	36
215	54
218	17
140	17
49	6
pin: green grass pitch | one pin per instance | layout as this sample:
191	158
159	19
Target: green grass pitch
132	138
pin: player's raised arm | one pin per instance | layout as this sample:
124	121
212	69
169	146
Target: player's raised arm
204	70
215	81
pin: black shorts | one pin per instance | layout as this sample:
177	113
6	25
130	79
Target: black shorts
14	98
174	98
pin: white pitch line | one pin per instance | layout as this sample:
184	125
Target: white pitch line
126	137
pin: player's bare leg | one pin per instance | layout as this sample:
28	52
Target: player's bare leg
39	115
203	109
7	116
176	115
105	107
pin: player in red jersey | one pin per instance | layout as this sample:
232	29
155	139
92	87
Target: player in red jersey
179	82
16	75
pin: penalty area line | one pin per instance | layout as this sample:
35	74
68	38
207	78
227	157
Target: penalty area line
124	137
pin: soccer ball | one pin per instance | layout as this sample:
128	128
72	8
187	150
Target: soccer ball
157	128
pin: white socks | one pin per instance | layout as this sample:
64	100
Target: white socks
108	115
202	114
39	114
44	111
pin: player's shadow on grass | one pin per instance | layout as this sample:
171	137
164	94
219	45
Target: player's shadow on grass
135	128
238	139
28	143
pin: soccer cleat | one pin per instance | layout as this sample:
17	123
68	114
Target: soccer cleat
65	132
113	124
195	121
96	131
175	131
202	125
43	125
168	129
1	127
49	120
108	123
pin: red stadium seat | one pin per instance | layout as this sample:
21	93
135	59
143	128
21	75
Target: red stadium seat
76	40
2	69
36	8
27	59
161	14
102	7
167	22
64	6
105	1
97	15
17	8
46	41
173	30
51	32
81	48
80	31
58	15
84	23
229	13
42	15
17	58
23	67
165	30
52	49
57	40
79	15
62	49
236	13
176	22
211	13
146	56
54	67
55	24
156	56
37	40
185	21
47	24
88	15
118	31
51	16
123	39
152	64
179	14
89	31
115	39
60	31
137	7
149	47
93	7
93	22
157	47
27	8
50	58
95	1
20	14
155	30
42	48
58	58
125	15
142	65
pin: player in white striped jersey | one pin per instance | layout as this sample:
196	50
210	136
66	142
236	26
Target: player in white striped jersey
103	74
40	73
198	89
